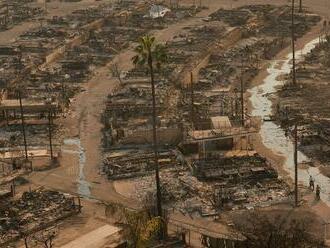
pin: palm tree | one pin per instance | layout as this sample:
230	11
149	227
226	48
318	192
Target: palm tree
300	6
151	54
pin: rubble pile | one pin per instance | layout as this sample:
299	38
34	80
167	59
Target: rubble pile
128	116
14	12
235	17
35	210
218	89
134	163
244	58
185	193
249	195
180	190
213	103
281	26
189	47
39	133
269	20
233	169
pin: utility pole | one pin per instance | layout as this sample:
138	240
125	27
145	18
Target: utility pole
242	99
50	123
192	99
7	14
236	103
294	82
300	6
23	124
295	158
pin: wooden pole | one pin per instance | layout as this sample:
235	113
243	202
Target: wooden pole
294	82
7	14
50	123
242	100
236	105
6	116
23	124
192	99
295	158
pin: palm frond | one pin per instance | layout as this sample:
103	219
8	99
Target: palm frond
146	45
160	53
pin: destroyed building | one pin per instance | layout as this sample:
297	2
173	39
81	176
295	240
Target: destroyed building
15	12
34	211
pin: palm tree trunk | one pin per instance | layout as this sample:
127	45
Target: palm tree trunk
300	6
154	131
